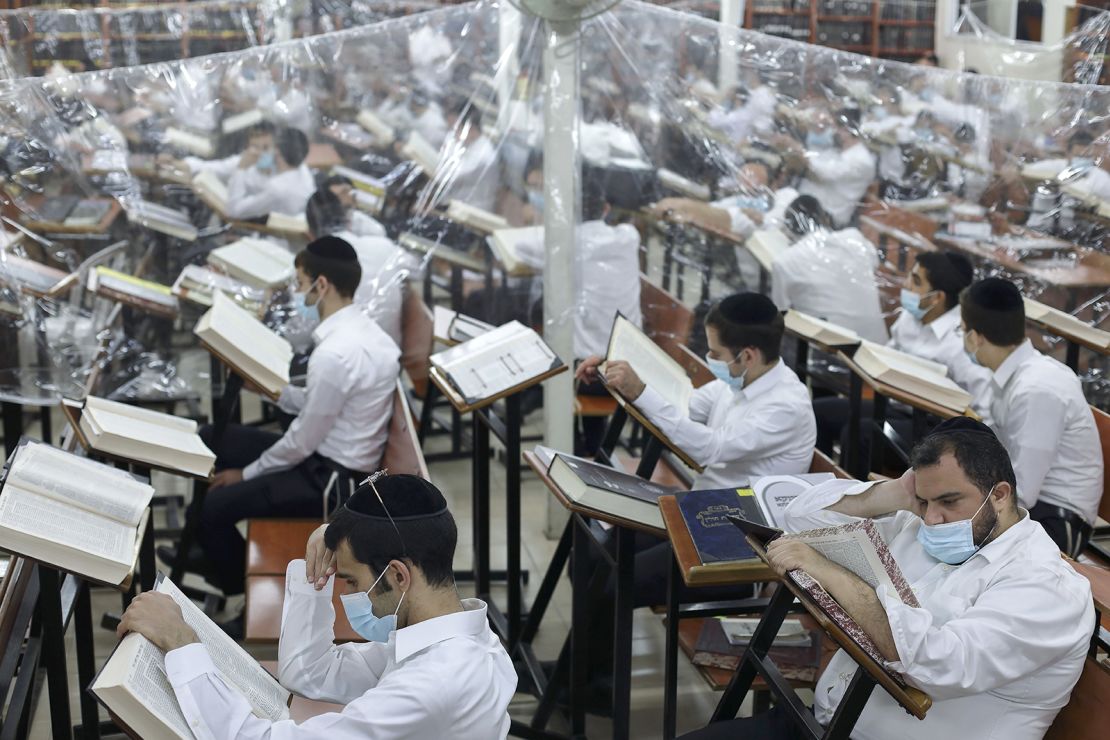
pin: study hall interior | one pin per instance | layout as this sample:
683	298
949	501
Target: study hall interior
546	368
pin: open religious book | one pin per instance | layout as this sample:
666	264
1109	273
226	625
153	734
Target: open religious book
257	262
914	375
417	149
146	436
199	145
819	330
506	243
856	547
656	368
156	217
384	134
765	245
244	343
497	362
75	514
133	685
288	223
197	283
212	191
1066	324
475	218
145	295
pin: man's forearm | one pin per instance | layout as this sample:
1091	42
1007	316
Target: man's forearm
857	598
880	499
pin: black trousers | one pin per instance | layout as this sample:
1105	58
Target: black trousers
290	493
773	724
832	424
1070	533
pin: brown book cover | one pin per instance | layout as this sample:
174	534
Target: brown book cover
796	663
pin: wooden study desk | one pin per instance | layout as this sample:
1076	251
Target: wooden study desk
101	227
322	156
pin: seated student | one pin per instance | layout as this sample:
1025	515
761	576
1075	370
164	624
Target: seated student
1040	414
1054	211
286	191
928	326
259	155
839	166
970	178
432	667
828	274
385	266
469	169
340	431
359	222
428	119
1004	624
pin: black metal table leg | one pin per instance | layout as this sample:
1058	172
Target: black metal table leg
850	707
1072	358
549	583
670	659
86	662
512	516
54	652
850	456
13	426
481	509
622	631
580	616
801	360
878	436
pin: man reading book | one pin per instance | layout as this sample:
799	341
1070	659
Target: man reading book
1040	414
431	666
257	158
341	425
285	190
1003	625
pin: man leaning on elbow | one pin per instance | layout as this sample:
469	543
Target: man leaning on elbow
1004	623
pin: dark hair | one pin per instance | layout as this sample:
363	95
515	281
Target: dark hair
748	320
345	275
325	213
980	455
994	308
1080	138
427	544
262	128
948	272
594	200
849	118
292	145
332	180
965	132
805	214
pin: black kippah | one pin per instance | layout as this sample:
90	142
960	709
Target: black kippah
332	248
961	424
406	497
748	308
996	294
962	265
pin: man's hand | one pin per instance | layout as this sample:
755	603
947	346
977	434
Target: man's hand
319	560
620	376
248	158
157	617
587	371
786	555
672	209
228	477
883	498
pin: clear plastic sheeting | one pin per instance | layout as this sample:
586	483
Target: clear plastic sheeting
1079	57
45	40
819	178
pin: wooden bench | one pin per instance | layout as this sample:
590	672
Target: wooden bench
667	320
1102	422
272	543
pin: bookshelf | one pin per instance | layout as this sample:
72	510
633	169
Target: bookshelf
894	30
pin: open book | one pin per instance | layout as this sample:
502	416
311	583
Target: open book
288	223
76	514
913	375
212	191
257	262
819	330
417	149
240	121
34	277
856	547
134	687
496	362
453	327
382	131
765	245
505	244
246	344
161	219
1064	323
475	218
369	191
656	368
146	436
199	145
197	283
144	294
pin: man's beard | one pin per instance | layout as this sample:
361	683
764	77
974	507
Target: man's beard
983	529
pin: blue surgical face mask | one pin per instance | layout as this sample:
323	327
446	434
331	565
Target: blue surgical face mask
535	199
1082	163
954	542
880	113
818	140
310	313
266	161
970	354
911	304
720	370
360	613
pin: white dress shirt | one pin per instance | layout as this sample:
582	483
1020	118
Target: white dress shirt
445	677
363	224
772	209
225	168
343	411
838	179
1047	427
831	275
385	268
432	125
470	174
938	341
997	644
767	428
286	192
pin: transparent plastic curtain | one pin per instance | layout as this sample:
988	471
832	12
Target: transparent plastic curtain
1080	55
37	40
833	168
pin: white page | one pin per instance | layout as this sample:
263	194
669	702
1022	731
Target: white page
50	519
247	337
146	678
854	551
656	368
266	696
79	482
496	361
147	428
126	287
137	412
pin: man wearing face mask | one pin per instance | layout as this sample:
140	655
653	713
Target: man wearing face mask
431	668
340	430
839	167
285	189
358	222
260	147
1003	625
1040	414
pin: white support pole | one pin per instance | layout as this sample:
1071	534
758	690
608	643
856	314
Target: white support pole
508	65
731	13
560	218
